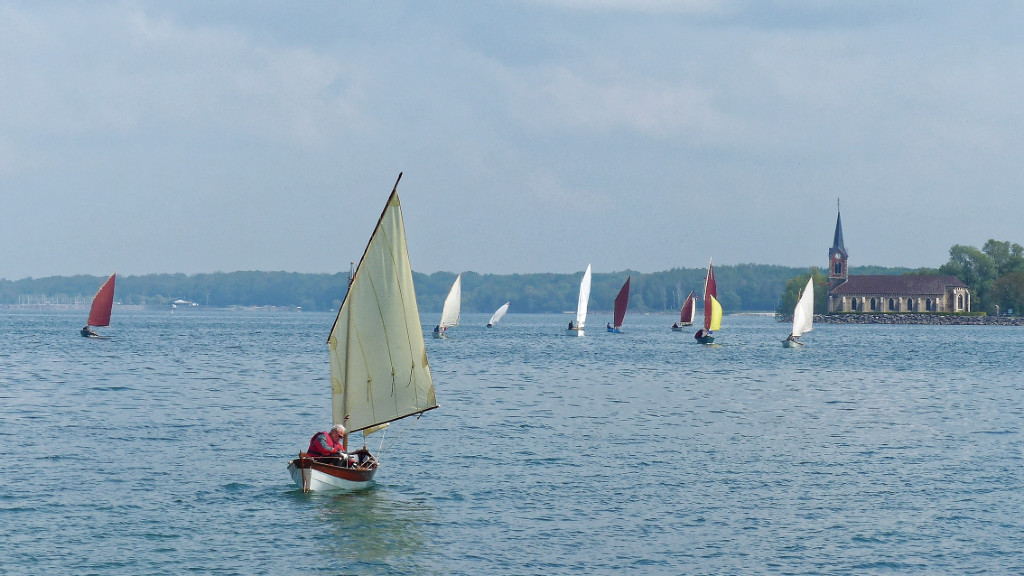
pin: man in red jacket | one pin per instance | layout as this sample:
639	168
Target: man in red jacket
330	446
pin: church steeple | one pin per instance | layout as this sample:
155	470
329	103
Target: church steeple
837	256
837	240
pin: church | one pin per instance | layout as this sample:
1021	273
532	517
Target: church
876	294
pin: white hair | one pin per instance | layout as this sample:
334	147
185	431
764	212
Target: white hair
339	429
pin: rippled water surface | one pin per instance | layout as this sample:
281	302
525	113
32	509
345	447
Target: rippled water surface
162	450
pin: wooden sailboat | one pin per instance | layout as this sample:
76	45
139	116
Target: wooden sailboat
498	314
102	303
712	309
379	369
581	306
687	312
803	316
621	303
451	311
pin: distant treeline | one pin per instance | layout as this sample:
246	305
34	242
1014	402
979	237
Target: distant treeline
743	287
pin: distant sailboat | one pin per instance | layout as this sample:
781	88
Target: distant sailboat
451	311
803	316
687	312
498	314
379	369
621	303
102	303
712	309
581	306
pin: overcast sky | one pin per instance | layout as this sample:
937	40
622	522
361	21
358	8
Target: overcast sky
534	136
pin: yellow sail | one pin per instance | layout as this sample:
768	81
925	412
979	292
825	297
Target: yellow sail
379	369
716	314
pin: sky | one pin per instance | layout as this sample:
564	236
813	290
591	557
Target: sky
534	135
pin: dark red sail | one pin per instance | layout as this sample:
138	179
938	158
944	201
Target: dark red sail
99	314
621	302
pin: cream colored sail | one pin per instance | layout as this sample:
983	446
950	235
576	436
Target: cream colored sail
803	314
452	305
584	300
379	369
499	314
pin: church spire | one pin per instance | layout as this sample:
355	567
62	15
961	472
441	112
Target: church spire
837	257
837	240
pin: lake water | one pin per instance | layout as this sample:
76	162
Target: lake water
872	450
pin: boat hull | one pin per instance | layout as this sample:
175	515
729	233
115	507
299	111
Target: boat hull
312	476
615	331
706	339
574	332
787	343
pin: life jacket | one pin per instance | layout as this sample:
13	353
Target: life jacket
315	449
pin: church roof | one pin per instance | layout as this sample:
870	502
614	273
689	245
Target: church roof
903	285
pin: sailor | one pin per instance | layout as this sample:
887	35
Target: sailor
88	332
329	446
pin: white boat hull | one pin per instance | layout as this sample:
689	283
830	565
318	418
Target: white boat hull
317	476
574	332
317	481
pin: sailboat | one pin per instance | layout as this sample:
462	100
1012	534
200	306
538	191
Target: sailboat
498	314
581	306
712	309
621	302
687	312
451	310
102	303
803	316
379	369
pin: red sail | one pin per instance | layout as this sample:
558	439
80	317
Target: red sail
710	289
99	315
686	312
621	301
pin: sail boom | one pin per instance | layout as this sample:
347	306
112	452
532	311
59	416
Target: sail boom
383	424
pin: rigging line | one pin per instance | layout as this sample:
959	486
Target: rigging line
398	437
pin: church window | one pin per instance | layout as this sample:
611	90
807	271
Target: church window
910	304
872	304
892	305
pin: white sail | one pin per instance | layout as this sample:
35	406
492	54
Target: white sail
452	305
379	370
581	306
499	314
803	314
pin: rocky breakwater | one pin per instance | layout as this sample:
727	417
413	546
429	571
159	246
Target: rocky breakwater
910	318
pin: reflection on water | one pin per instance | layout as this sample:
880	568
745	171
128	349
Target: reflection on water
375	529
